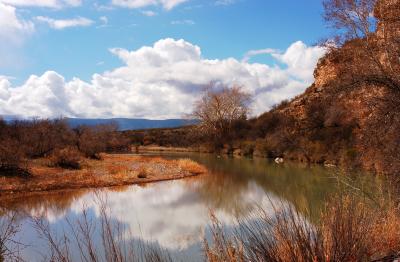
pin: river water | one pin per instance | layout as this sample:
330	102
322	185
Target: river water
175	215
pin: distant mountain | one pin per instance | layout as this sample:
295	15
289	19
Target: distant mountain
132	124
123	123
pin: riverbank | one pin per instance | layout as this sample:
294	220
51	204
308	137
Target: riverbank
111	170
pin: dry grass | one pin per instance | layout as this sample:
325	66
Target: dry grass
142	172
349	231
112	170
191	166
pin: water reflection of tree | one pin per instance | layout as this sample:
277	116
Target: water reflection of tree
56	203
225	193
306	187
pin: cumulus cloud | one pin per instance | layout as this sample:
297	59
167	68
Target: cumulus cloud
166	4
43	3
11	26
160	81
60	24
300	59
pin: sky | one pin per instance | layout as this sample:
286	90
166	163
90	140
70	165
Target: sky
152	58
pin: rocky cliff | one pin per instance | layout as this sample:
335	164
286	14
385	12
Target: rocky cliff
351	112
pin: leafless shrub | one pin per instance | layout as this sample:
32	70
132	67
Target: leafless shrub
348	231
39	138
68	157
9	247
96	240
11	159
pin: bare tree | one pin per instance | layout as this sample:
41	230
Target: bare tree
352	18
372	25
219	108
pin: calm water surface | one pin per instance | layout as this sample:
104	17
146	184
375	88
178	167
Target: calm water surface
175	215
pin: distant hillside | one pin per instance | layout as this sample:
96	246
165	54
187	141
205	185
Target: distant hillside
132	124
123	123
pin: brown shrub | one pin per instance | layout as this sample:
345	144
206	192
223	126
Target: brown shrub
91	141
68	158
142	173
11	159
39	138
191	166
349	230
118	142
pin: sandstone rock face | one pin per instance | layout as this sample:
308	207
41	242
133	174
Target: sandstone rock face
387	10
325	72
387	13
368	105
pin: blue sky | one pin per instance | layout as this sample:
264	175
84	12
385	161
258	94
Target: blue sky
73	39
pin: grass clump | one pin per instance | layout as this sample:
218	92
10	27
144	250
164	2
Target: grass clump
143	172
191	166
349	230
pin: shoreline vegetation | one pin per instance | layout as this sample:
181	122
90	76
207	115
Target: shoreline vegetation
349	117
348	231
47	155
112	170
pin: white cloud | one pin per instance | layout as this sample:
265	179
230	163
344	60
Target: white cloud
134	3
183	22
12	28
13	33
65	23
169	4
103	22
149	13
252	53
166	4
102	8
43	3
300	58
225	2
159	81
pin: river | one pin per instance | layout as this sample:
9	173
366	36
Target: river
175	215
